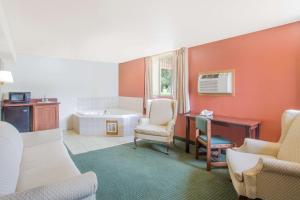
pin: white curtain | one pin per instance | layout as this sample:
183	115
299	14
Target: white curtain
148	80
178	62
181	80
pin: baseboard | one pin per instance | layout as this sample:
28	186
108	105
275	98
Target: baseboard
182	139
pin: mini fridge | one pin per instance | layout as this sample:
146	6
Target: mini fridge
19	116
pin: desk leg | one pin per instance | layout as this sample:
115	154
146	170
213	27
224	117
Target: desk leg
257	131
187	134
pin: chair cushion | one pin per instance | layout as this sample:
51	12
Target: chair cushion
11	149
240	161
215	139
161	112
150	129
290	148
45	164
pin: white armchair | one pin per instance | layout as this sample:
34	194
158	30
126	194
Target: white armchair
159	123
267	170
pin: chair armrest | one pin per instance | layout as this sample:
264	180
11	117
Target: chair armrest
78	187
143	121
279	169
259	147
170	126
31	139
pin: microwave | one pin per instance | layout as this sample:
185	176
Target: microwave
19	97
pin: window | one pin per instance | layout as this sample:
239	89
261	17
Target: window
166	76
165	82
162	75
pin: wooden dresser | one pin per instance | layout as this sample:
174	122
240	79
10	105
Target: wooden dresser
43	116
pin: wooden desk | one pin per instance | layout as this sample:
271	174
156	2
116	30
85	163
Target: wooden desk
250	126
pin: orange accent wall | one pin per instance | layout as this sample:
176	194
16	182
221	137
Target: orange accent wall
132	78
267	74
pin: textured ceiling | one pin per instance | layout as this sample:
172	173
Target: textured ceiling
121	30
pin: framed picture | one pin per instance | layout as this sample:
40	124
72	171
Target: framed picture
112	127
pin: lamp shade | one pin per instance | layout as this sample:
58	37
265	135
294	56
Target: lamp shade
6	77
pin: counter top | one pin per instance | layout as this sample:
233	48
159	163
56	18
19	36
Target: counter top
33	102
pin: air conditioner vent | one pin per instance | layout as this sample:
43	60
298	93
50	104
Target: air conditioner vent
216	83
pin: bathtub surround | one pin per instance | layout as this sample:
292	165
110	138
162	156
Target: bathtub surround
97	123
94	115
131	103
102	103
64	79
89	122
96	103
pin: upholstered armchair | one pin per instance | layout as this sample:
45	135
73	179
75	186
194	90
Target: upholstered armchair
267	170
159	123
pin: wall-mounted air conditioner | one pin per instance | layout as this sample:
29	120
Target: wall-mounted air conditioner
216	82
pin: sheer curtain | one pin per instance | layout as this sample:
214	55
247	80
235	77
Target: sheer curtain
181	93
148	80
177	61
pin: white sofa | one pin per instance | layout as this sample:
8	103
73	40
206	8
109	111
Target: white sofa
37	166
267	170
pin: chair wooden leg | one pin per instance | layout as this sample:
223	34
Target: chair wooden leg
219	153
168	147
135	144
197	150
208	158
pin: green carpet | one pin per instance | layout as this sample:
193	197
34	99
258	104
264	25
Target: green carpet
146	173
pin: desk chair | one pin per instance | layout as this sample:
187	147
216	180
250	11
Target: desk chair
211	143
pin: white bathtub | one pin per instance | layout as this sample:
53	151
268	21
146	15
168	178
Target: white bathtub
96	122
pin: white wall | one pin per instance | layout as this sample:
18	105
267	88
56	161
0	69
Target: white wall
7	51
64	79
